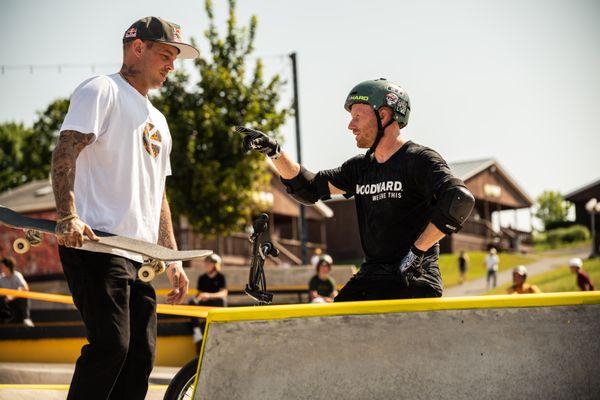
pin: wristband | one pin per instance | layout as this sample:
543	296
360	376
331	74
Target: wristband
417	252
67	218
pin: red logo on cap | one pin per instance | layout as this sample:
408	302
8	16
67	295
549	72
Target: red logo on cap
131	33
177	34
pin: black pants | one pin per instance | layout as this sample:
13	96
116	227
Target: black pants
381	283
14	311
119	313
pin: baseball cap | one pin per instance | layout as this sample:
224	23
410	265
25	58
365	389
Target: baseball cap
575	262
158	30
214	258
521	270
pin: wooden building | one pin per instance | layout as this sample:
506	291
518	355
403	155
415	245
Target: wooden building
580	197
494	191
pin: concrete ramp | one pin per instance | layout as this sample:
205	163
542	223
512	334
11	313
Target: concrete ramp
496	347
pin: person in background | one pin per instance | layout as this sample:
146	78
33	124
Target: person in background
491	261
13	309
212	292
321	287
583	279
519	286
463	265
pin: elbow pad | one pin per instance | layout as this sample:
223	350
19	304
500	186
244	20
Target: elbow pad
452	208
307	187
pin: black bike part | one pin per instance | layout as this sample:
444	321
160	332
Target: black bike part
261	224
182	382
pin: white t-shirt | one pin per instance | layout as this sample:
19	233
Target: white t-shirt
15	282
120	176
492	261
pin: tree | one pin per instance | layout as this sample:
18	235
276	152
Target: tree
26	153
14	139
213	179
552	209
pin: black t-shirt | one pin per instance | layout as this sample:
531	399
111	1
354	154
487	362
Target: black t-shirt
394	200
324	288
211	285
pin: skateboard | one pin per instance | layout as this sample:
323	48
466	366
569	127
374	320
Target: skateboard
154	254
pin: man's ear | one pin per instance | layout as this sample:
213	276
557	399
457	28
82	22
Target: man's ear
137	47
386	115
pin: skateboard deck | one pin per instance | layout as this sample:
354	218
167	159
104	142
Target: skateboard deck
155	254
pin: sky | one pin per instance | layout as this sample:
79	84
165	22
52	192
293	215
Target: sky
516	80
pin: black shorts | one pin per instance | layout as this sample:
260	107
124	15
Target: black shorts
381	282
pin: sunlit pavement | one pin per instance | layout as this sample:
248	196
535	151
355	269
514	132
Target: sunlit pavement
33	381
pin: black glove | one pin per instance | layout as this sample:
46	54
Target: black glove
411	267
258	141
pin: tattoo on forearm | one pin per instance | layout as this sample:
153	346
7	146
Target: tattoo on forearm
64	157
166	236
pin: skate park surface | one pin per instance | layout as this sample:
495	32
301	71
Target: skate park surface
530	346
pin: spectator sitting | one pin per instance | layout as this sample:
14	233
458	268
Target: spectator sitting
13	309
212	292
519	286
583	279
322	288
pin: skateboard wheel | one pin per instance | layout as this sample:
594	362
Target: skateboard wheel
160	267
21	246
146	273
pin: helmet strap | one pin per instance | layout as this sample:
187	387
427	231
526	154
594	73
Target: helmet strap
380	132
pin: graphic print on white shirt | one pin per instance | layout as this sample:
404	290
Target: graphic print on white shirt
152	140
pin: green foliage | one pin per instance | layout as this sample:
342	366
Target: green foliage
14	139
213	179
552	209
26	153
556	237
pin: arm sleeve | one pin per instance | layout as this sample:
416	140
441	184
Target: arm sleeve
345	176
22	283
432	173
90	106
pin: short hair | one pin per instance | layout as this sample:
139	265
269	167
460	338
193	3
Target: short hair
10	263
322	262
127	43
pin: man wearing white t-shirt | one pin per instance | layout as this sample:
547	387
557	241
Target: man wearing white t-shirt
491	261
108	173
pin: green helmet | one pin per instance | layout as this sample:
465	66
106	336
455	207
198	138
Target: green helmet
381	93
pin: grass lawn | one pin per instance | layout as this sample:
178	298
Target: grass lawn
560	279
449	264
477	269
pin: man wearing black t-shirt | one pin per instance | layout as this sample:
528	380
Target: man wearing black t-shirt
212	292
406	197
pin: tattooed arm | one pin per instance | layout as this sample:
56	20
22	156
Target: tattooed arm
69	232
166	237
